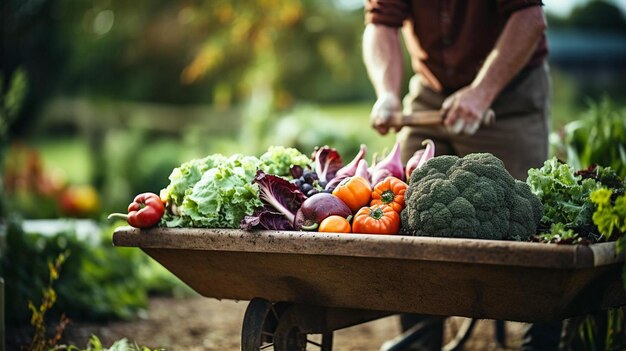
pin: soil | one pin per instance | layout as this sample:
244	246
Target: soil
201	324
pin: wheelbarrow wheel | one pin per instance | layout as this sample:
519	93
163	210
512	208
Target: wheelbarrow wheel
266	328
259	324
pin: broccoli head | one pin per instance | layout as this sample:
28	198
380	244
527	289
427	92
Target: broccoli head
469	197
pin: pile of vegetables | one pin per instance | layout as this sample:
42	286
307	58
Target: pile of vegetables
446	196
333	197
282	189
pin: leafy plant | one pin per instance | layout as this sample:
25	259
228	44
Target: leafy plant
11	101
566	195
40	342
604	330
610	215
599	137
559	235
100	282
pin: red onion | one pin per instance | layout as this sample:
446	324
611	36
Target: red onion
379	175
350	169
391	163
363	171
420	157
411	164
428	153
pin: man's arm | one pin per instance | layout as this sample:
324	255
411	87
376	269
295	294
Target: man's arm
383	59
513	49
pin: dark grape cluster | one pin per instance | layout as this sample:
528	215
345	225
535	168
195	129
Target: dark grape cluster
309	183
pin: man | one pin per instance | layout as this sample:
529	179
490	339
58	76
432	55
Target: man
468	57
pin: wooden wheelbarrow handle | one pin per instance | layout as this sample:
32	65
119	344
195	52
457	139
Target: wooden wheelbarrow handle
432	118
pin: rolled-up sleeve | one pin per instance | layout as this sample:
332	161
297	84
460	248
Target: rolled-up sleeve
507	7
387	12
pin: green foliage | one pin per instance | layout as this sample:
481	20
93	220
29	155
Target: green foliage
469	197
11	101
610	218
134	162
40	342
604	330
610	215
599	137
558	234
598	15
564	195
188	52
570	199
100	281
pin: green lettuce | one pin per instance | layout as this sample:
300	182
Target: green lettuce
187	175
217	192
565	196
278	159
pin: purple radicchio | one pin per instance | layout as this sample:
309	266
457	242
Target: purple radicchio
327	163
281	201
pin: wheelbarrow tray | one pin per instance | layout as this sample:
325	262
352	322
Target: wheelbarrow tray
518	281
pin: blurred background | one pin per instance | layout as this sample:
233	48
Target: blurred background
101	99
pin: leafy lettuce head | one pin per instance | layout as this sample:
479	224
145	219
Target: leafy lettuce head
277	160
214	192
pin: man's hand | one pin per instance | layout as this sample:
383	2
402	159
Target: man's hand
383	111
463	111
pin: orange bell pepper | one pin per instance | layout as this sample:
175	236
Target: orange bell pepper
355	192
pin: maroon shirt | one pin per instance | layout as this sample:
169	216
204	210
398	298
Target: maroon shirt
449	40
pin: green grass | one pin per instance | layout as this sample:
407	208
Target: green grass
357	116
68	155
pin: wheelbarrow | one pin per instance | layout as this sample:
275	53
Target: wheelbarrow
304	283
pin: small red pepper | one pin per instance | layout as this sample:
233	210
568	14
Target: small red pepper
144	212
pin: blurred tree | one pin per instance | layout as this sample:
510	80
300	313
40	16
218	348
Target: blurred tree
29	30
185	51
12	95
596	15
301	49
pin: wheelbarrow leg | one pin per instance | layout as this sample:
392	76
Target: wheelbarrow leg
327	341
501	334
